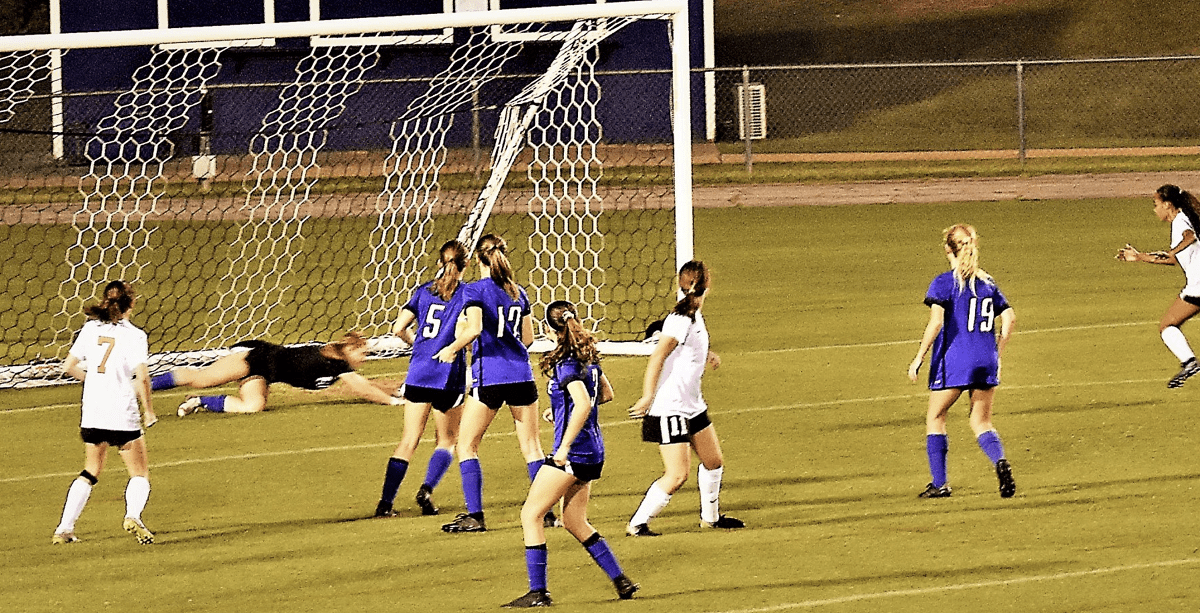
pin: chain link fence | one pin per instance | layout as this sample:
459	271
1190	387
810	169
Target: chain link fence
1014	106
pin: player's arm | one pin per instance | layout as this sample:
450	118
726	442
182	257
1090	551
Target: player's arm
581	405
403	326
666	344
363	388
937	314
73	367
526	330
141	387
465	332
1129	254
1008	322
605	393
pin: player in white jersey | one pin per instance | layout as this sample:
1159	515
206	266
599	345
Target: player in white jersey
110	356
673	412
1182	210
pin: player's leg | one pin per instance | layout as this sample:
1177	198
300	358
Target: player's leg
575	503
676	465
446	425
708	478
476	417
416	414
1179	312
936	442
226	369
989	439
137	491
80	491
548	486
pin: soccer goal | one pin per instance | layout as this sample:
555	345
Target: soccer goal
288	181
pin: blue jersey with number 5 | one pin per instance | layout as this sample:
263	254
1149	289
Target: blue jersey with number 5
435	319
965	354
498	355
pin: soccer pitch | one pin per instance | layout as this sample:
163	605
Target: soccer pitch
816	312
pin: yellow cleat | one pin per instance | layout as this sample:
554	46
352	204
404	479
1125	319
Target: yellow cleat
62	538
139	530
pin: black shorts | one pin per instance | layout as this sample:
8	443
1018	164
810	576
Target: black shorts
114	438
1192	300
585	473
442	400
672	429
520	394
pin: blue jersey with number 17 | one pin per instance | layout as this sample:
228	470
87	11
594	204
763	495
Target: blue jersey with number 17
498	355
965	354
435	320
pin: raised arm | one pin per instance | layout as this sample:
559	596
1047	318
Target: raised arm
937	314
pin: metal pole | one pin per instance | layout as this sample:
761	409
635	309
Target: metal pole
1021	113
476	149
746	118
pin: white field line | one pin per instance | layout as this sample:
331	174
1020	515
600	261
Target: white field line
780	407
917	340
958	587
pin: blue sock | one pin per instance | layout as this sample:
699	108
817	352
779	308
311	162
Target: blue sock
597	547
438	463
936	446
164	381
535	563
472	484
533	468
989	442
396	469
216	404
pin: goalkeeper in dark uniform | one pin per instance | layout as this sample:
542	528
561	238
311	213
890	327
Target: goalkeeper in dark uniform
257	364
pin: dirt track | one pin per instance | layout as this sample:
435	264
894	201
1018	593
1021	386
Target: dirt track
1125	185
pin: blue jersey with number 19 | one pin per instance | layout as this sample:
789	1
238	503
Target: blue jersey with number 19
965	354
498	355
435	330
588	447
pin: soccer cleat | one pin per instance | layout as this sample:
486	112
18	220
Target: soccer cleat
1008	486
551	520
62	538
384	509
935	492
425	501
532	598
189	406
465	523
1186	371
625	587
641	530
728	523
138	530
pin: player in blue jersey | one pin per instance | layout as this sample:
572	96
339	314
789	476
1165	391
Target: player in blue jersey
964	306
1179	208
577	388
499	330
430	384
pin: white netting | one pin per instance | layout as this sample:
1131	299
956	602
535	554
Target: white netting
279	190
20	72
126	178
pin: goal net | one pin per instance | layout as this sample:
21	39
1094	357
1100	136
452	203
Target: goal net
291	185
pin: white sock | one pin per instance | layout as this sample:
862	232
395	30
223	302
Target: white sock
710	492
77	497
653	503
1174	339
137	492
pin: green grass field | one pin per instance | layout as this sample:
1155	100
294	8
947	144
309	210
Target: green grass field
816	312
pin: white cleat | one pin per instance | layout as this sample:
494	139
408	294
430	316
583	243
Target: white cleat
189	406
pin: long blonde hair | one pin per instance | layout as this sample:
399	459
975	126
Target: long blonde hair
963	242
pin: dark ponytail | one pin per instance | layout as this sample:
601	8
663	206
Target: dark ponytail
693	280
118	299
453	258
1184	201
492	253
573	340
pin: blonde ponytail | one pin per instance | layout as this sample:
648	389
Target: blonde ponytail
963	243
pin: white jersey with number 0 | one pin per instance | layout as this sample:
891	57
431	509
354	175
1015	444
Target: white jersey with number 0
679	385
110	352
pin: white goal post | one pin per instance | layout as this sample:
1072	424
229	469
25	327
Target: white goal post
129	199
